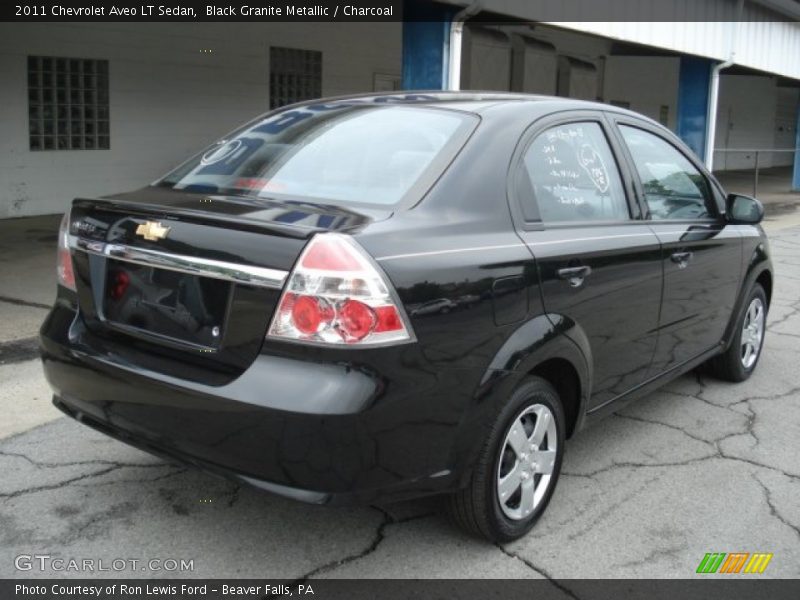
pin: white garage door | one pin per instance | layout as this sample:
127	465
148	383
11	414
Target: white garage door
486	60
534	66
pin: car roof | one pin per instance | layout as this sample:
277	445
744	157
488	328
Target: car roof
471	101
477	101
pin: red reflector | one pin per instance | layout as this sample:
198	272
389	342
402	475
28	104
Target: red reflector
330	255
356	319
119	285
388	319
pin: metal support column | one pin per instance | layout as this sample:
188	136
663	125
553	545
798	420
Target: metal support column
693	92
425	45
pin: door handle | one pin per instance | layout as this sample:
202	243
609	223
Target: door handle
574	275
681	258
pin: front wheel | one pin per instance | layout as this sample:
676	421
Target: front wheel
518	468
739	361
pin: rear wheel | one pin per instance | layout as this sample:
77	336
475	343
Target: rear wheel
739	361
519	465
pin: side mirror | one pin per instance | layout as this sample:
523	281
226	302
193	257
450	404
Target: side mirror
744	210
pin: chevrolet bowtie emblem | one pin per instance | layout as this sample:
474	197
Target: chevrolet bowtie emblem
151	230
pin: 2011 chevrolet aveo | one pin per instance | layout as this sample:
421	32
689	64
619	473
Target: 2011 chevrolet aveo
376	298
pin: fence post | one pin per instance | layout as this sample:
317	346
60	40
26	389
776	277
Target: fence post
755	177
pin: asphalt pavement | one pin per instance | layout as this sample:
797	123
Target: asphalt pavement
699	466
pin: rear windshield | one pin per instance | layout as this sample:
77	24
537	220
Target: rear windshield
344	154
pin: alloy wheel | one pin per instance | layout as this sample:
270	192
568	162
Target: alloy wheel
527	459
752	333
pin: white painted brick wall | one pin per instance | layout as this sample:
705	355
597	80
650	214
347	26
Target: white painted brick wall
167	99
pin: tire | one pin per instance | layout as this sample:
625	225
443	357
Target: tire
735	364
477	508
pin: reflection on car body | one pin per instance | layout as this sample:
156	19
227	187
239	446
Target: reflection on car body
432	307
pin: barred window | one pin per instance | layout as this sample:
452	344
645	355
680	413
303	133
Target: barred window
68	103
295	75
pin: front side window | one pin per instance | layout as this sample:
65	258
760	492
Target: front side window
343	153
574	175
673	187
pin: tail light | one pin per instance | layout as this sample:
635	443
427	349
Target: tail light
337	295
66	274
118	284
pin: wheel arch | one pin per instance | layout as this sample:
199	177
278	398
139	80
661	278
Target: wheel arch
537	347
758	270
765	280
564	377
556	349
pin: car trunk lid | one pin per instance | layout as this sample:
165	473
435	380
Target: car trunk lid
194	279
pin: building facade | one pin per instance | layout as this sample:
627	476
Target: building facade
97	108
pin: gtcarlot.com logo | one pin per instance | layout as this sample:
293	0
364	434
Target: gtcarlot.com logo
734	562
46	562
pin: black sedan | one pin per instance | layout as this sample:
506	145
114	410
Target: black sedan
375	298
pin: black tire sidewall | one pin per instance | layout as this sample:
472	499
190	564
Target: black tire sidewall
533	390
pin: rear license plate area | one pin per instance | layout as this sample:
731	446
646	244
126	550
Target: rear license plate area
184	308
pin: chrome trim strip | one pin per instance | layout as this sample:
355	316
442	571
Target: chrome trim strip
653	233
450	251
205	267
566	240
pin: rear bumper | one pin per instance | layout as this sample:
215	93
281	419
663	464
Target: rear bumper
170	453
313	431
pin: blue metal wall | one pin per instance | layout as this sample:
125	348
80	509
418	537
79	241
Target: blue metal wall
693	83
425	45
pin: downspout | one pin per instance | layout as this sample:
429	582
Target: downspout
713	90
456	37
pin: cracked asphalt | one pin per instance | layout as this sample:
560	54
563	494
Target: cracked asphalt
700	466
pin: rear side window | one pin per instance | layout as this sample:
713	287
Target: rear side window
354	153
574	176
673	187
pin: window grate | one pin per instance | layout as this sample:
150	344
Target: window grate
295	75
68	104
